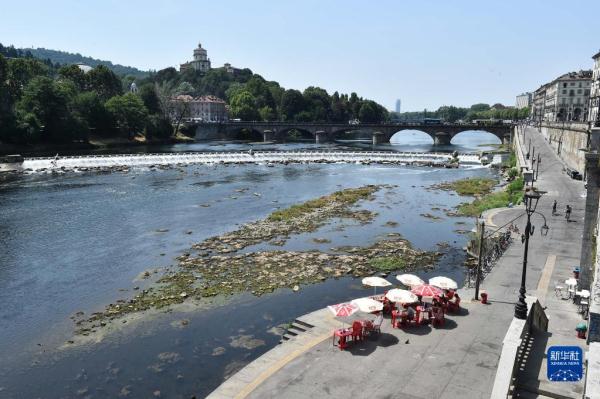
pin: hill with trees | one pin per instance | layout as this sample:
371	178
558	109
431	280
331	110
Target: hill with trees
44	102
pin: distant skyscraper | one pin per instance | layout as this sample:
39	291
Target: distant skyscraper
398	103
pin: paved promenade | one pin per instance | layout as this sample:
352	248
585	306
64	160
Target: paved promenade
458	360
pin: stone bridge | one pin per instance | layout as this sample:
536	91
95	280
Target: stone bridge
441	134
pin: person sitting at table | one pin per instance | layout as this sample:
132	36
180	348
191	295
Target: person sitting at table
378	319
410	311
444	301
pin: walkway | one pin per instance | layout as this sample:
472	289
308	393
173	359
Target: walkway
458	361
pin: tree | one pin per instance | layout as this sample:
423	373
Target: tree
318	103
7	117
129	113
149	96
480	107
242	106
267	113
74	74
104	82
369	113
292	102
21	71
89	107
158	127
46	103
166	75
185	88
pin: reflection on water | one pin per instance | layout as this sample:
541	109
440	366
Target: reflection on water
76	242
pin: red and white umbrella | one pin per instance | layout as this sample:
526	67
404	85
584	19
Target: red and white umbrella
410	280
444	283
402	296
375	282
343	309
367	305
426	290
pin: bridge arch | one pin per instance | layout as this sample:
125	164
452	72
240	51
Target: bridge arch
479	136
245	134
352	133
411	137
294	133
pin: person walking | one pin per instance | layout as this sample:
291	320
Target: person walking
568	213
554	204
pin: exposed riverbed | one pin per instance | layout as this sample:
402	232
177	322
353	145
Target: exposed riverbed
77	242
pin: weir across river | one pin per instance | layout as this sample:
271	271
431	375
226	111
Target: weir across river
99	161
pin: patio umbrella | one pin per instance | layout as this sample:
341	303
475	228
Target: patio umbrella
367	304
409	279
444	283
375	282
426	290
402	296
344	309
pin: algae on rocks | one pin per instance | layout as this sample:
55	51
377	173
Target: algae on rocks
218	270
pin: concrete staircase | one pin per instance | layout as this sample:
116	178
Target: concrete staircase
296	328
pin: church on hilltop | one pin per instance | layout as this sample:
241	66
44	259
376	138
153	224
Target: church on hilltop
200	63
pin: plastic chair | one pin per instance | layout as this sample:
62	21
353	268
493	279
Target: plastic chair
454	306
558	290
438	317
356	331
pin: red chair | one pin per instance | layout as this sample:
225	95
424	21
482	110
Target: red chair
454	306
438	317
357	331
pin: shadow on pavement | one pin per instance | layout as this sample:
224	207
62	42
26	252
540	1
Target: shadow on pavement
417	330
461	312
449	324
366	347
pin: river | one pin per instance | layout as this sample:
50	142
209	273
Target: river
76	242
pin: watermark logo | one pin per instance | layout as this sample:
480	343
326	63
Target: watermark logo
565	363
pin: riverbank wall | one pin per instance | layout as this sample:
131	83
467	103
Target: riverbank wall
569	140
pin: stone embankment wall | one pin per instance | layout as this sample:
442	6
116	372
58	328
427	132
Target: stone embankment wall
208	132
568	140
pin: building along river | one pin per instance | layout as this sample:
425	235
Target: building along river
71	244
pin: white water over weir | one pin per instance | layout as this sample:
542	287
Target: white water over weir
102	161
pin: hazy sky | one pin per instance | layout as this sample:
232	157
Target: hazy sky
427	53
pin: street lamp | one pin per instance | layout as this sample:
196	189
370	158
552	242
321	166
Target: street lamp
531	198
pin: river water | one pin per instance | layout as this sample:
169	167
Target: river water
76	242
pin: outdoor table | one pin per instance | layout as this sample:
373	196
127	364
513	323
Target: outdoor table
421	311
342	334
367	326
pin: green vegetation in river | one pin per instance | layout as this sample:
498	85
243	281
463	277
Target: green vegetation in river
218	270
471	186
512	194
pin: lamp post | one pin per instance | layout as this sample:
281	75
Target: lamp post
531	198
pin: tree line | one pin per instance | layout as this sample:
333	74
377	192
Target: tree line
42	102
253	98
454	114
